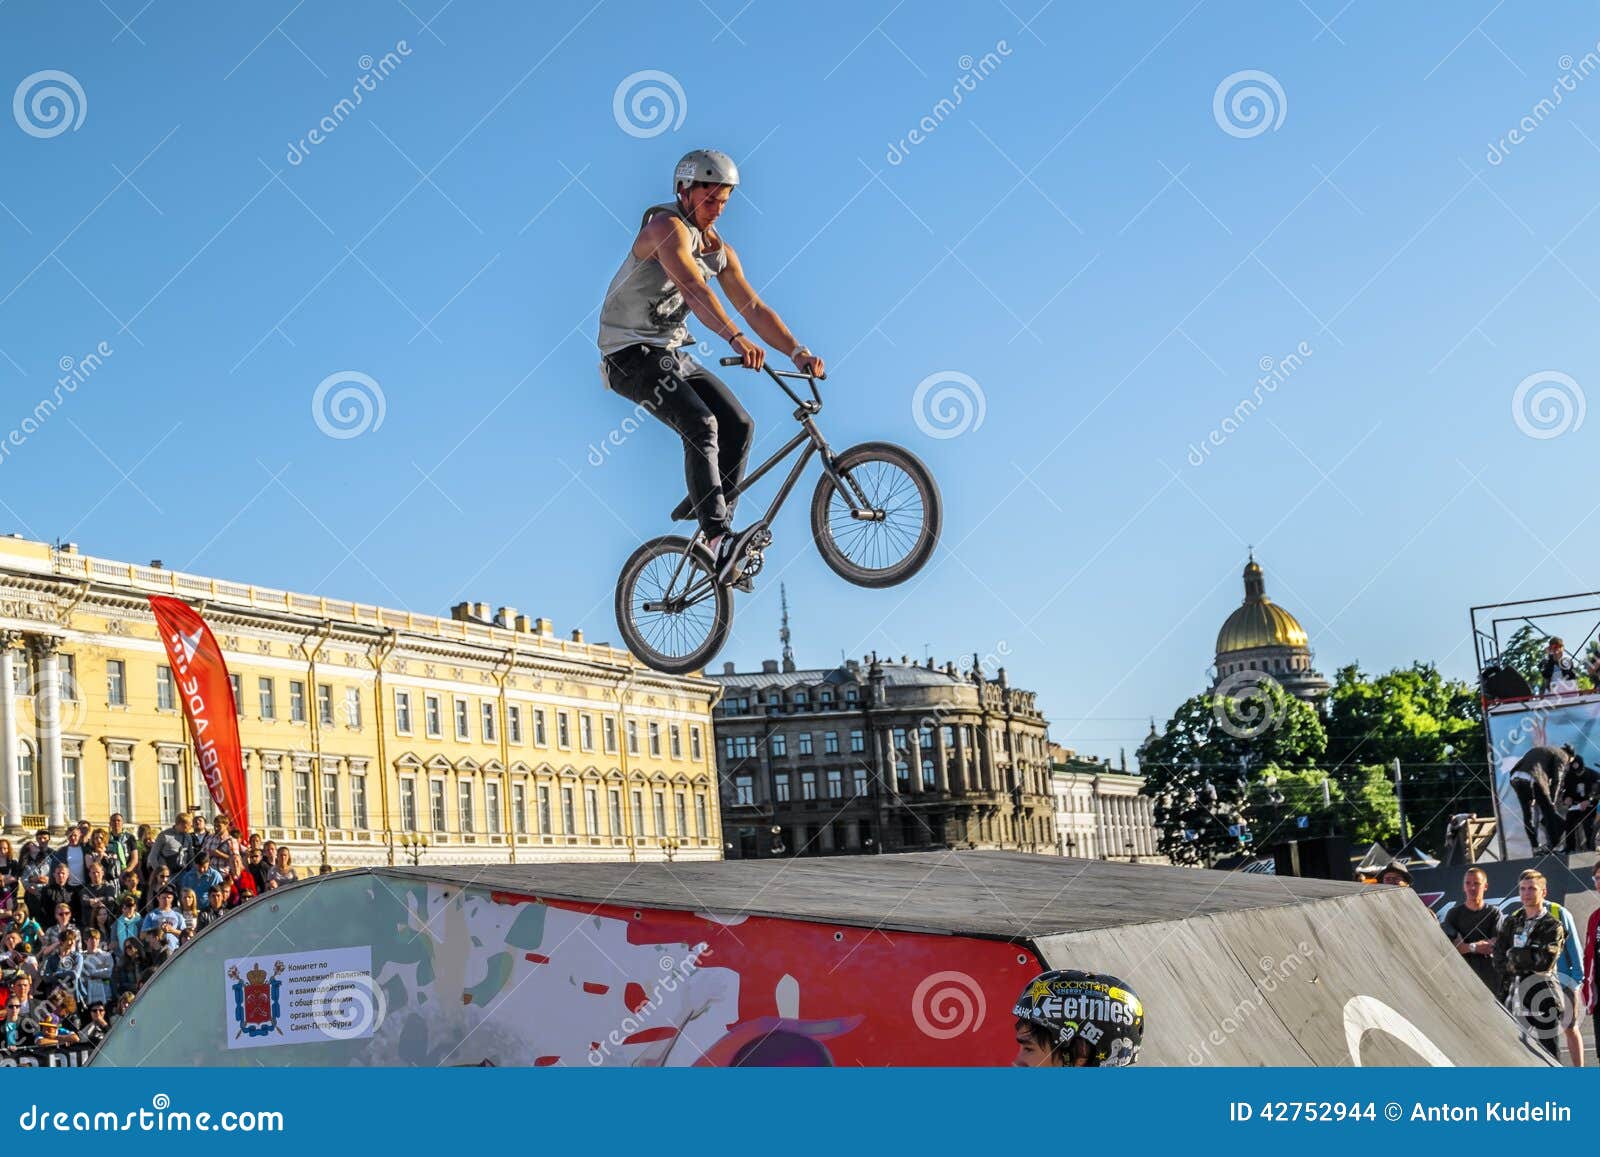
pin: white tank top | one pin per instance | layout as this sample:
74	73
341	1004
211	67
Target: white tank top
642	304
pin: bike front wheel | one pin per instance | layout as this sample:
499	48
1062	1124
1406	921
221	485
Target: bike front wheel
882	527
673	614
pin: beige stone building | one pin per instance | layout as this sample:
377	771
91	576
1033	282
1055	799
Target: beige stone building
365	731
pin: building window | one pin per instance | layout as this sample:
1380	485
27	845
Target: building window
514	723
655	739
675	740
167	777
569	820
166	695
851	695
801	697
563	730
121	786
491	807
899	739
325	704
638	812
271	794
825	699
777	744
302	798
330	799
591	810
633	737
808	785
236	686
830	743
700	816
925	737
835	784
694	744
432	719
661	814
297	701
487	710
805	743
858	742
352	707
267	697
544	811
25	783
358	801
610	727
614	804
408	803
71	787
116	682
519	808
780	787
586	731
402	712
679	814
860	775
947	733
436	803
744	791
930	778
463	721
67	671
464	794
539	736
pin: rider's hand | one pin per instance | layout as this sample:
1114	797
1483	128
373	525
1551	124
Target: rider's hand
809	363
754	356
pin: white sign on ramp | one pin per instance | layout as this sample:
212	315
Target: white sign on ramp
301	997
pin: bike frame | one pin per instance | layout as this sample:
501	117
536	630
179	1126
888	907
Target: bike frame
813	442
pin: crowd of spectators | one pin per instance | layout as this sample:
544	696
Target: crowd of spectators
84	923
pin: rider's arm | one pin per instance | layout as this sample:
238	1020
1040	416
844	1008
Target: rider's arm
667	240
761	316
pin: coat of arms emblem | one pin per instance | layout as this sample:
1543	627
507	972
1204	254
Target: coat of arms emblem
255	1000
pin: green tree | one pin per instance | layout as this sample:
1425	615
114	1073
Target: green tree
1432	725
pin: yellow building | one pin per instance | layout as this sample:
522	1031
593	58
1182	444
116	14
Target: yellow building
364	730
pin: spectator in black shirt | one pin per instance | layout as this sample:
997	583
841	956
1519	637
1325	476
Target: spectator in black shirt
95	893
1473	927
1579	791
1557	672
57	892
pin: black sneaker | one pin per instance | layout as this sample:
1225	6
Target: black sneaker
731	550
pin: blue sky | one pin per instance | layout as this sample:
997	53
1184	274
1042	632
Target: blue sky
1081	236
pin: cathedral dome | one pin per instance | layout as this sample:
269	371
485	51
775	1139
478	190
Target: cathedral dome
1259	622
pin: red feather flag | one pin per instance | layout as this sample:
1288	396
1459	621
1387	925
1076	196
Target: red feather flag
201	676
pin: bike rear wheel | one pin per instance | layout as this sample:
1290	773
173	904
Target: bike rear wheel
673	614
896	490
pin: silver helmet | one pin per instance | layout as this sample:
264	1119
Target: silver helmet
708	165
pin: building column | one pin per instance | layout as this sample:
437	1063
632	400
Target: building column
883	740
47	709
914	756
941	759
11	781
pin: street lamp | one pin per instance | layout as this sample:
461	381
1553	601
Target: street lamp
414	845
670	847
778	847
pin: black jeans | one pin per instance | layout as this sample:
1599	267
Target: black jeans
716	430
1538	792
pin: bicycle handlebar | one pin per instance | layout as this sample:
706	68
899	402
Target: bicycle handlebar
778	376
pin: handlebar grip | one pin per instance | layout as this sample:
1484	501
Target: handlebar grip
732	360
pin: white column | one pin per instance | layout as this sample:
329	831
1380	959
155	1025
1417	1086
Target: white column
47	707
10	782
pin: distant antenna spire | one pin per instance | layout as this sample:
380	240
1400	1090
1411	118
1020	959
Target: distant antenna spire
783	631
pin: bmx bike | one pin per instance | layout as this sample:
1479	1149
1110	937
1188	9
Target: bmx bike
875	517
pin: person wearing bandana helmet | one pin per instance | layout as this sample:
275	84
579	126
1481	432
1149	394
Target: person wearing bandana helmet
1076	1019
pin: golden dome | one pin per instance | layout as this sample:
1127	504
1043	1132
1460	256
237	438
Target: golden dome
1259	622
